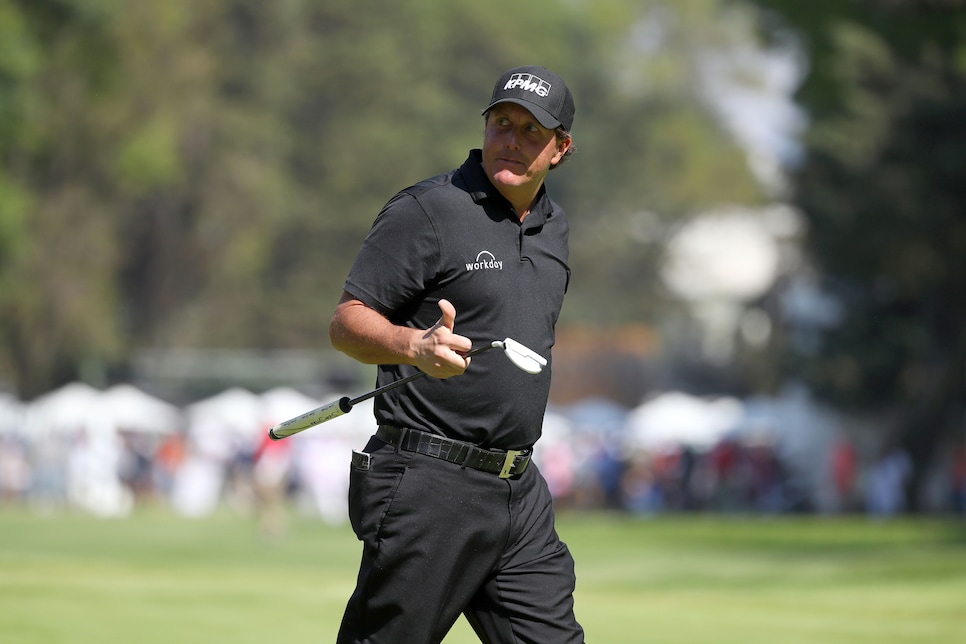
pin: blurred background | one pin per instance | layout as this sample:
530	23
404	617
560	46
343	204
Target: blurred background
768	301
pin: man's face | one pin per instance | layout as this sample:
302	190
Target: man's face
517	150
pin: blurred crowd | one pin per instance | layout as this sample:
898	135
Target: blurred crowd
674	454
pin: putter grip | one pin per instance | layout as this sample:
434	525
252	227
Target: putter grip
310	419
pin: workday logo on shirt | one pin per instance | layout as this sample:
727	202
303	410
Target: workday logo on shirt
485	261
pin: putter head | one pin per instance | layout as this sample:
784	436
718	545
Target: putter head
522	356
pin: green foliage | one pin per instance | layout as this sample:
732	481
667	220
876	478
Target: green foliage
882	190
18	61
13	205
148	160
649	153
201	174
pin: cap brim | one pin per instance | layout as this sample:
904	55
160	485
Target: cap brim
543	117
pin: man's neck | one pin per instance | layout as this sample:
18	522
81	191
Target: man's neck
522	201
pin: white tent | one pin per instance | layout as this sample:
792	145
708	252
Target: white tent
78	411
11	414
680	419
218	427
77	407
131	409
70	409
596	416
235	412
282	403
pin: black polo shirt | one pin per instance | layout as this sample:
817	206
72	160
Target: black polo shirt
455	237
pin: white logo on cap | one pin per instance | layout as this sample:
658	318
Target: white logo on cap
529	83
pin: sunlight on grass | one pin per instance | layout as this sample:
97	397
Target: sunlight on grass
157	578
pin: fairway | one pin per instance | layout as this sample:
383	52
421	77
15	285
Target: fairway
156	578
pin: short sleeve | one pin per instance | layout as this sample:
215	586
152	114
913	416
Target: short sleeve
399	257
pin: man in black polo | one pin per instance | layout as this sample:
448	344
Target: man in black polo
452	515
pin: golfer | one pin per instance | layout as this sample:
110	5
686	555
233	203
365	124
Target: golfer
453	516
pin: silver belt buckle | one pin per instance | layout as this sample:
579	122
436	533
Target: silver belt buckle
511	457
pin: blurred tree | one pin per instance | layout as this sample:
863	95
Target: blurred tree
652	152
57	262
200	173
882	191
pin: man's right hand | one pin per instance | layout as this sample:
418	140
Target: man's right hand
367	336
439	352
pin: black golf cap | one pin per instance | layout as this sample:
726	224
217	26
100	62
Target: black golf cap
539	90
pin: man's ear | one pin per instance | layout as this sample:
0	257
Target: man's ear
562	147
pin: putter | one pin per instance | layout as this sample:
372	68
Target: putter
521	356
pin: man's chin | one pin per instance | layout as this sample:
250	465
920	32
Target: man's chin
508	178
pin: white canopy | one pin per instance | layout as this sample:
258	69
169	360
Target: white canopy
11	414
68	410
282	403
130	409
680	419
235	412
78	407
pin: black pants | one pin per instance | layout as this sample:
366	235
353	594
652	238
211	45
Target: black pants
440	540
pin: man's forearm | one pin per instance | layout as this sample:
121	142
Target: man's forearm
364	334
367	336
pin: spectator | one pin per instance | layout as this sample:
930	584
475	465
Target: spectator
15	472
886	489
843	462
959	478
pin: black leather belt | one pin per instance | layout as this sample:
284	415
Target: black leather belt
507	464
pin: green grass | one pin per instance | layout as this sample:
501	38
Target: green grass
158	578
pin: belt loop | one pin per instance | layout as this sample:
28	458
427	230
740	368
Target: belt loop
403	431
466	459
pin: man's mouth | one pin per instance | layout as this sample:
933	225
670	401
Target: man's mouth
514	162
